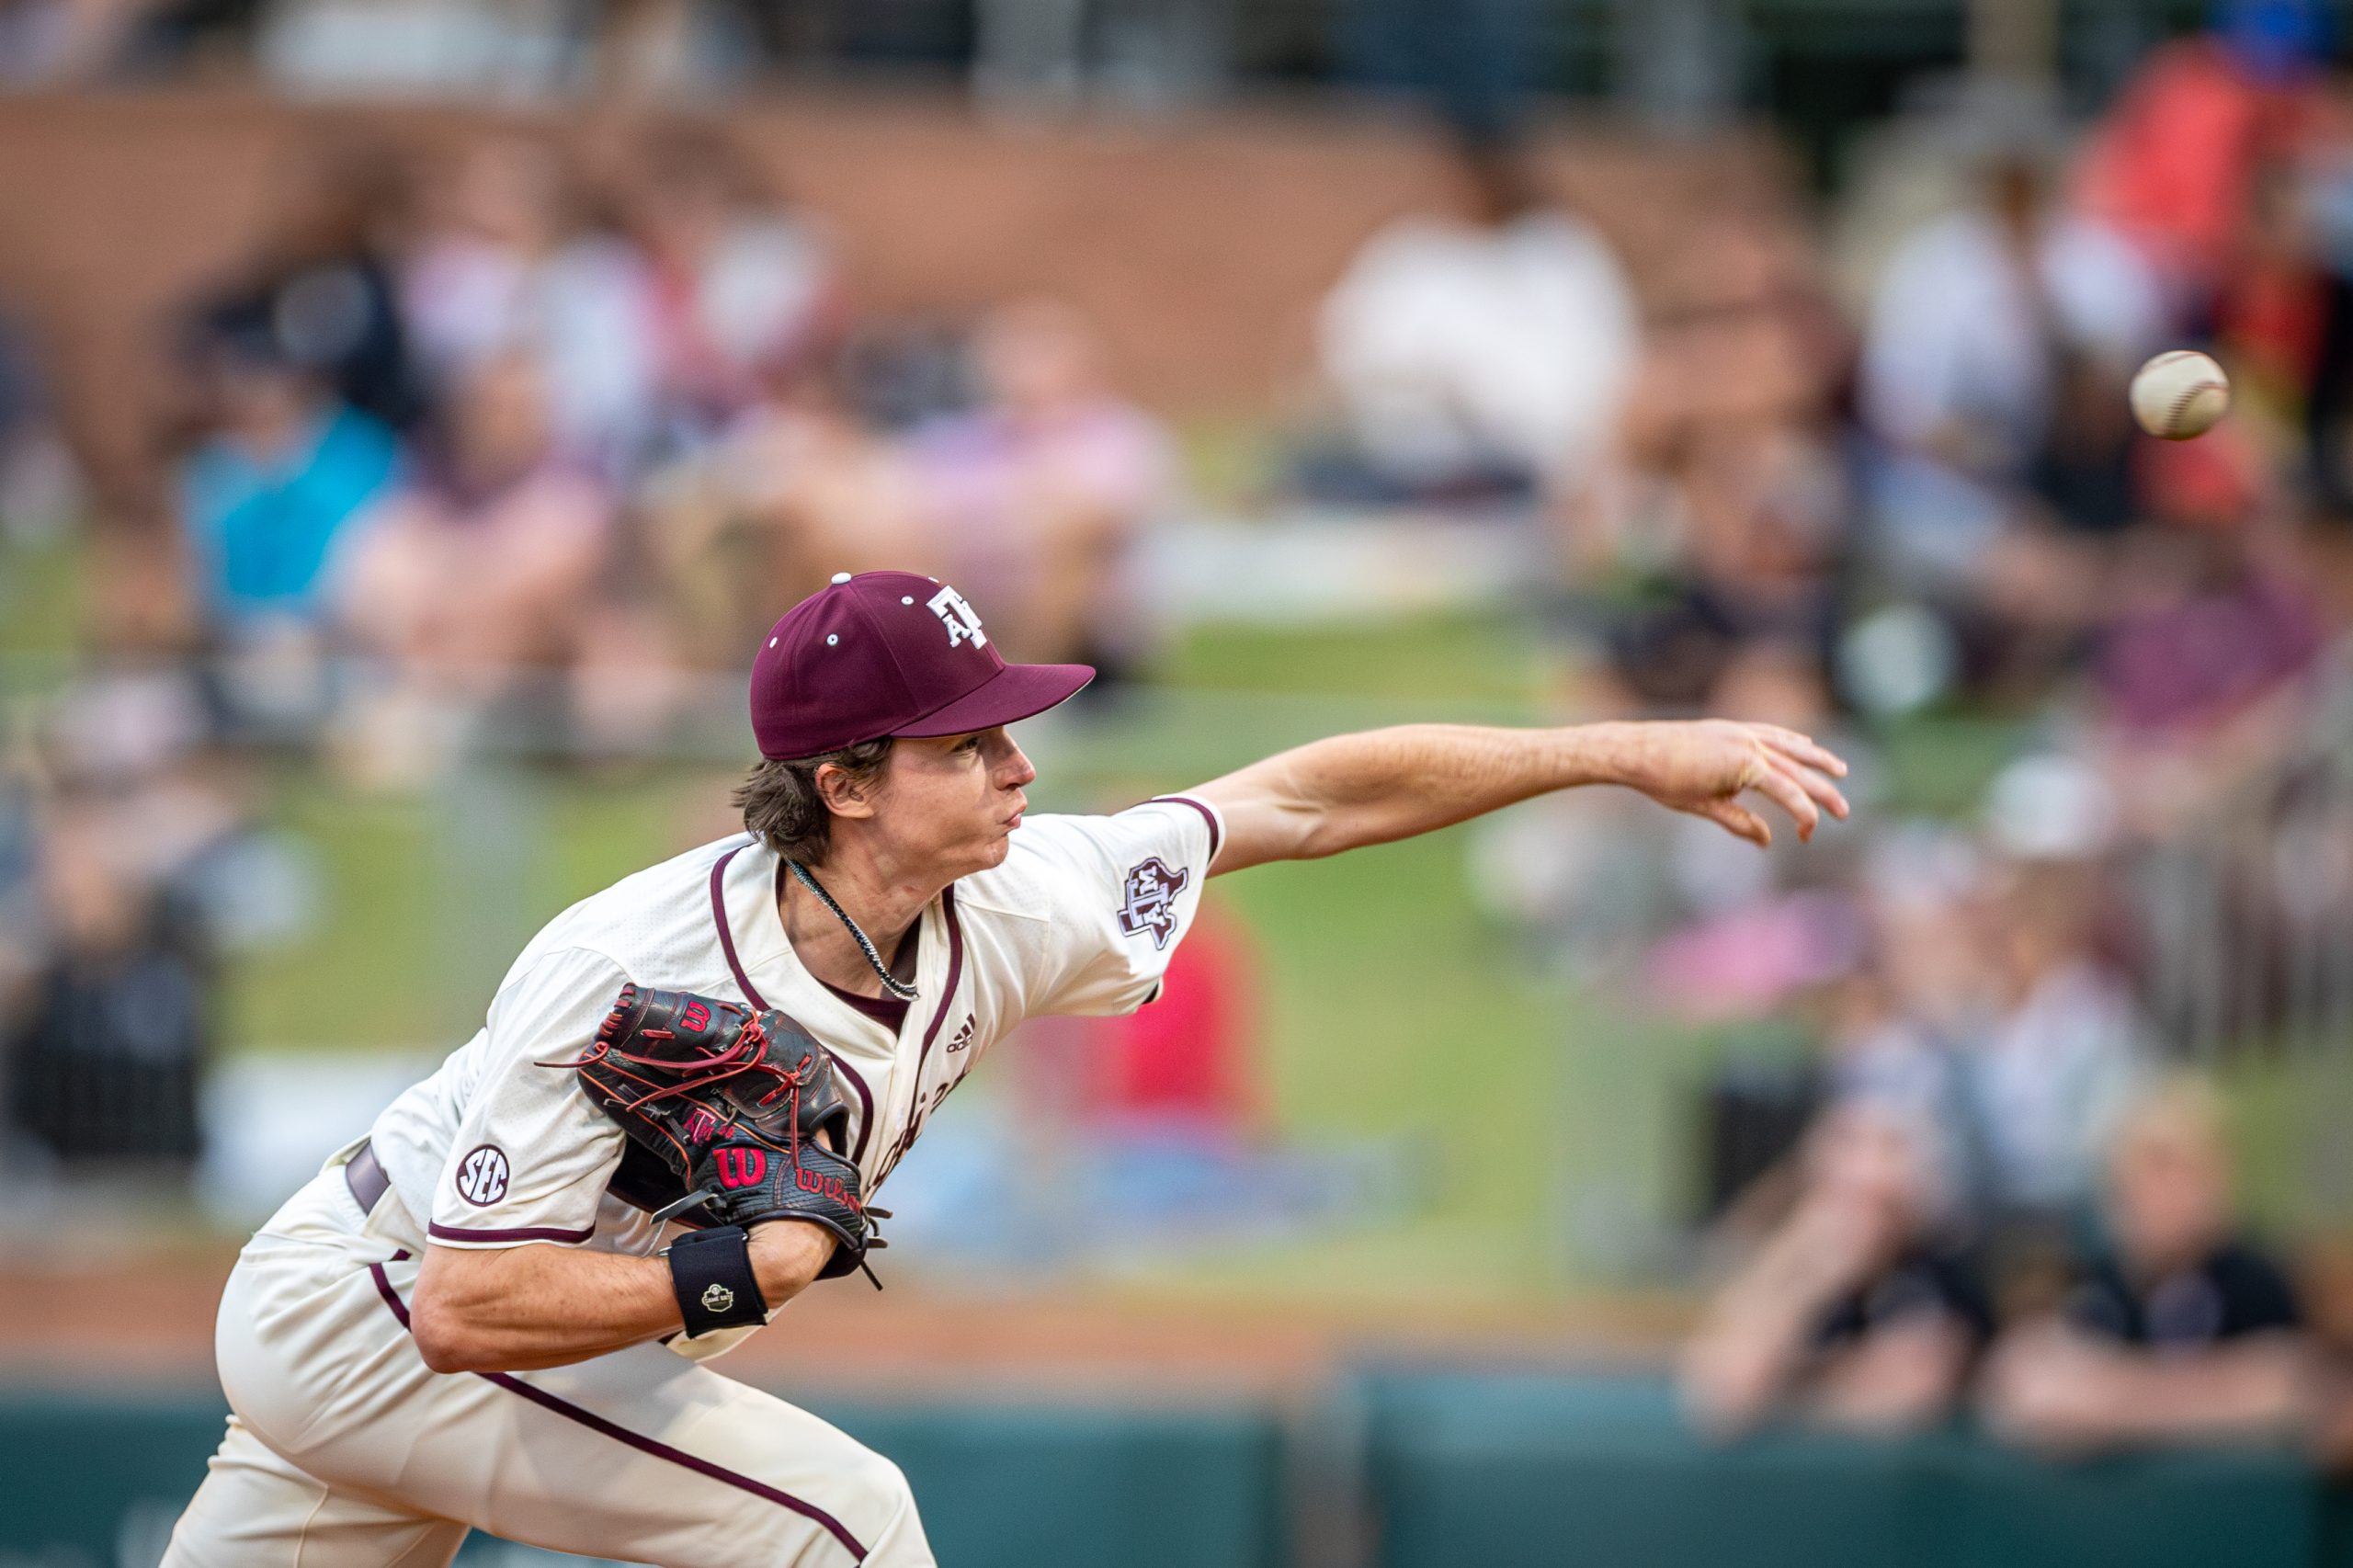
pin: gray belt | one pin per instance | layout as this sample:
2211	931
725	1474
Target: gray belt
364	1174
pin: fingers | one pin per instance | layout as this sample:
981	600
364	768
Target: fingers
1777	781
1801	747
1790	770
1828	795
1821	790
1738	820
1812	765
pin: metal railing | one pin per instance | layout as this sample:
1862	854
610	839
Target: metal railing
2246	907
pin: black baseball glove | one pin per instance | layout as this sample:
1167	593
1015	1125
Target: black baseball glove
729	1116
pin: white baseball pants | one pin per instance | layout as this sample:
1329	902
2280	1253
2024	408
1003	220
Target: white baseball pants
347	1451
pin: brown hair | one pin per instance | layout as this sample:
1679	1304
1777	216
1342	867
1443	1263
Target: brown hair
783	808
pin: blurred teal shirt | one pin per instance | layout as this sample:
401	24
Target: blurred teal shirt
262	530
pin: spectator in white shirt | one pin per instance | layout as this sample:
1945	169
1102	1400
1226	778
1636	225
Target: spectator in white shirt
1960	360
2065	1052
1503	342
1984	320
501	266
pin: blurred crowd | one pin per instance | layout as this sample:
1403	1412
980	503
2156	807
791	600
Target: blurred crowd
500	447
498	424
1870	1305
1957	1164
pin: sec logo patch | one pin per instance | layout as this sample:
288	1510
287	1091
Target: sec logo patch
481	1176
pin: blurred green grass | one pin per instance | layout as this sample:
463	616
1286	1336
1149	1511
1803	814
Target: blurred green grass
426	901
425	898
1452	658
40	605
1541	1133
1391	1012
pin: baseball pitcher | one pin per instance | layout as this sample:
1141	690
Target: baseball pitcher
493	1311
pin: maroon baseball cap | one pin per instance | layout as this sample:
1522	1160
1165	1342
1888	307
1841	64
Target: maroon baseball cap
889	654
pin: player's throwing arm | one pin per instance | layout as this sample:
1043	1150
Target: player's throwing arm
1353	790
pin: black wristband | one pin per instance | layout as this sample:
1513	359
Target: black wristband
711	1271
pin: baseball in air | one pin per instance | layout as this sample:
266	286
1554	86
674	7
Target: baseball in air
2180	395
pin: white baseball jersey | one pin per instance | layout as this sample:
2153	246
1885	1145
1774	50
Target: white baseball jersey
501	1146
347	1451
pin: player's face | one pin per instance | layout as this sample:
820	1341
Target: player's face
954	802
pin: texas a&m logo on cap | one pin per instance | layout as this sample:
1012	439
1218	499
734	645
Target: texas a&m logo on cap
1150	902
962	621
877	653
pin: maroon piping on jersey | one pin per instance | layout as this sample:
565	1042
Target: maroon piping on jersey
931	1030
643	1444
955	973
888	1011
752	995
527	1234
1208	817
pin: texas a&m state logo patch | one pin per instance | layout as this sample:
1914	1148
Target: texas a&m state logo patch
1151	904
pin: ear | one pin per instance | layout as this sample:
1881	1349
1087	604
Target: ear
842	795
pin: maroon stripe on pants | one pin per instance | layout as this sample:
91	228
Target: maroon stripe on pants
643	1444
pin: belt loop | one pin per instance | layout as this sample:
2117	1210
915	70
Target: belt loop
364	1174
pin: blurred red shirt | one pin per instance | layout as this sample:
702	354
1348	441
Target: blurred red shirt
2173	164
1192	1054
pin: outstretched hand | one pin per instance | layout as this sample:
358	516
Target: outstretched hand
1704	767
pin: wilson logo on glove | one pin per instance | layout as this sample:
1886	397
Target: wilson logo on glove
708	1090
739	1167
824	1186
